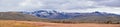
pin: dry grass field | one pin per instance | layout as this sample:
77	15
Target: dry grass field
13	23
44	24
7	23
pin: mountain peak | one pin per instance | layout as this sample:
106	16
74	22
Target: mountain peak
96	12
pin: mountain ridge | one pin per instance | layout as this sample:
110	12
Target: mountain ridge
57	14
63	17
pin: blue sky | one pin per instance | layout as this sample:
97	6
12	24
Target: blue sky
111	6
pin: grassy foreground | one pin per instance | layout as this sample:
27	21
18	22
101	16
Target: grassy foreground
11	23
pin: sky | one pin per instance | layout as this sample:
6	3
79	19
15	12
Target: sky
111	6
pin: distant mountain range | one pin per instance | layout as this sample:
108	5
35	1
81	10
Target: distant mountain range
61	17
64	15
96	16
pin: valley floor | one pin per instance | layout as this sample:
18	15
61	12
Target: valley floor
13	23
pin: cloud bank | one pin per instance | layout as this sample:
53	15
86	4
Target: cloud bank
112	6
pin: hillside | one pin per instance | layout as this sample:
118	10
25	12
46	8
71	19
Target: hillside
17	16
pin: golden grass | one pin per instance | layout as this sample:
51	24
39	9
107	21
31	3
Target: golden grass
4	23
13	23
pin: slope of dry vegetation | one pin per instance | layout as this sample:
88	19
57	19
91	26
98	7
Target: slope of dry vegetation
17	16
11	23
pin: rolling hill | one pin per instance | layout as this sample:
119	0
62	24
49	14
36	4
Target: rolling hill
17	16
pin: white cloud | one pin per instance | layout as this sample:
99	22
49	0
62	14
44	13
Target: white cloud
31	3
79	5
63	5
16	5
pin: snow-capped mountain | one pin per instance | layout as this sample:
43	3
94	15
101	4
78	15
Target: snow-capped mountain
63	15
49	14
